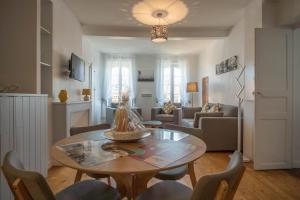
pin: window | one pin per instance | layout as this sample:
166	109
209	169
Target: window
119	81
119	77
172	83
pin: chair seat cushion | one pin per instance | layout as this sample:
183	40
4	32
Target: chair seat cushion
167	190
97	176
88	190
164	117
187	122
172	174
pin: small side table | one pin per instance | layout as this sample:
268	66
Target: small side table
152	124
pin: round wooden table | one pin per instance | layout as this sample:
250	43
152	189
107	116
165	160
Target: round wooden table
163	149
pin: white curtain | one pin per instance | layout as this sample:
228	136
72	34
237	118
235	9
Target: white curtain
160	76
127	61
183	69
159	79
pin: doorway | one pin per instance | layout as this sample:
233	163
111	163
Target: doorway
204	90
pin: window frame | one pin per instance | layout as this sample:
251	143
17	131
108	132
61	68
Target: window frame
172	66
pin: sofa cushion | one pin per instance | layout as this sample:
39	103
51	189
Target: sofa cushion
215	108
165	117
229	111
188	112
168	108
198	115
205	108
187	122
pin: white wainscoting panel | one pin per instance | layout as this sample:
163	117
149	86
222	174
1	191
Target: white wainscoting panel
24	129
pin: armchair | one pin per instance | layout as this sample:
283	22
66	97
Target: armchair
157	113
188	114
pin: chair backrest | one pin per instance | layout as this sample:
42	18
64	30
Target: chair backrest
221	185
77	130
32	184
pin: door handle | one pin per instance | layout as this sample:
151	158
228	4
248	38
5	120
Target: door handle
258	93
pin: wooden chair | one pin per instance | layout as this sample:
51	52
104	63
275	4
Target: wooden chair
180	172
218	186
29	185
78	130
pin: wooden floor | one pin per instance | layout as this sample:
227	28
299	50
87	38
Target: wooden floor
263	185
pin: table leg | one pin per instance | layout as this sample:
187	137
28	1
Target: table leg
124	184
78	176
140	183
130	185
191	172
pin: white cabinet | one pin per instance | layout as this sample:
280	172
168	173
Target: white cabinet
23	128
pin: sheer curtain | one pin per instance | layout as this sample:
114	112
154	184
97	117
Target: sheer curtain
171	79
120	76
183	70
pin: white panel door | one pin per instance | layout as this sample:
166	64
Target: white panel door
273	99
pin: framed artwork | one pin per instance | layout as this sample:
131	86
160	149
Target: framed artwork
227	65
145	75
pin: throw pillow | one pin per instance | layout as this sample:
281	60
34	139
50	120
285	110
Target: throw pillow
169	107
215	108
205	108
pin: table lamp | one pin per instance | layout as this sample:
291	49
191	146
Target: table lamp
87	92
192	87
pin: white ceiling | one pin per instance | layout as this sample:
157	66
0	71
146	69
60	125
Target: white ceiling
145	46
202	13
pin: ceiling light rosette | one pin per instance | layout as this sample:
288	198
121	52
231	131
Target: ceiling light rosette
159	12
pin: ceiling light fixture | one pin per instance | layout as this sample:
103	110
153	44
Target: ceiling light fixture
159	33
159	14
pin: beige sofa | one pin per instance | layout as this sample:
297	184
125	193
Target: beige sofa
218	130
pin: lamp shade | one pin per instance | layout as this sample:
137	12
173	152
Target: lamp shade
192	87
86	91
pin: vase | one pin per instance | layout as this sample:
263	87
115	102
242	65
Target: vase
86	98
63	96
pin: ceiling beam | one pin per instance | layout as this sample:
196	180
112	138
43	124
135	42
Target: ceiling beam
176	32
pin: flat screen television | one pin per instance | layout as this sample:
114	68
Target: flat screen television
77	68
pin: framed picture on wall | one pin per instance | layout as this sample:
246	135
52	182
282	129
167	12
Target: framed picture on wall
227	65
145	75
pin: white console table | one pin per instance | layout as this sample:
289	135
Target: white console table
62	117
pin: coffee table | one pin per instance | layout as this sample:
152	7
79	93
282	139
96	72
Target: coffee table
152	124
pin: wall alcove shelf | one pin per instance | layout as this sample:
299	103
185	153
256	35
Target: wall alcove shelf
46	47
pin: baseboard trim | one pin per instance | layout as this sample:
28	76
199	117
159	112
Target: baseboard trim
296	164
246	159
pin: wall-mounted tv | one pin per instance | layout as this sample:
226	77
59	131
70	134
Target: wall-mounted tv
77	68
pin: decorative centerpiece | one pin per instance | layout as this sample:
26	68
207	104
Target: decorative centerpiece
127	125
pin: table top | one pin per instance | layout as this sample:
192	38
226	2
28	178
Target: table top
163	149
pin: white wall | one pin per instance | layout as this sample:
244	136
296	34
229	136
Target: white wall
67	38
67	35
222	88
149	62
19	44
92	57
296	131
253	19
